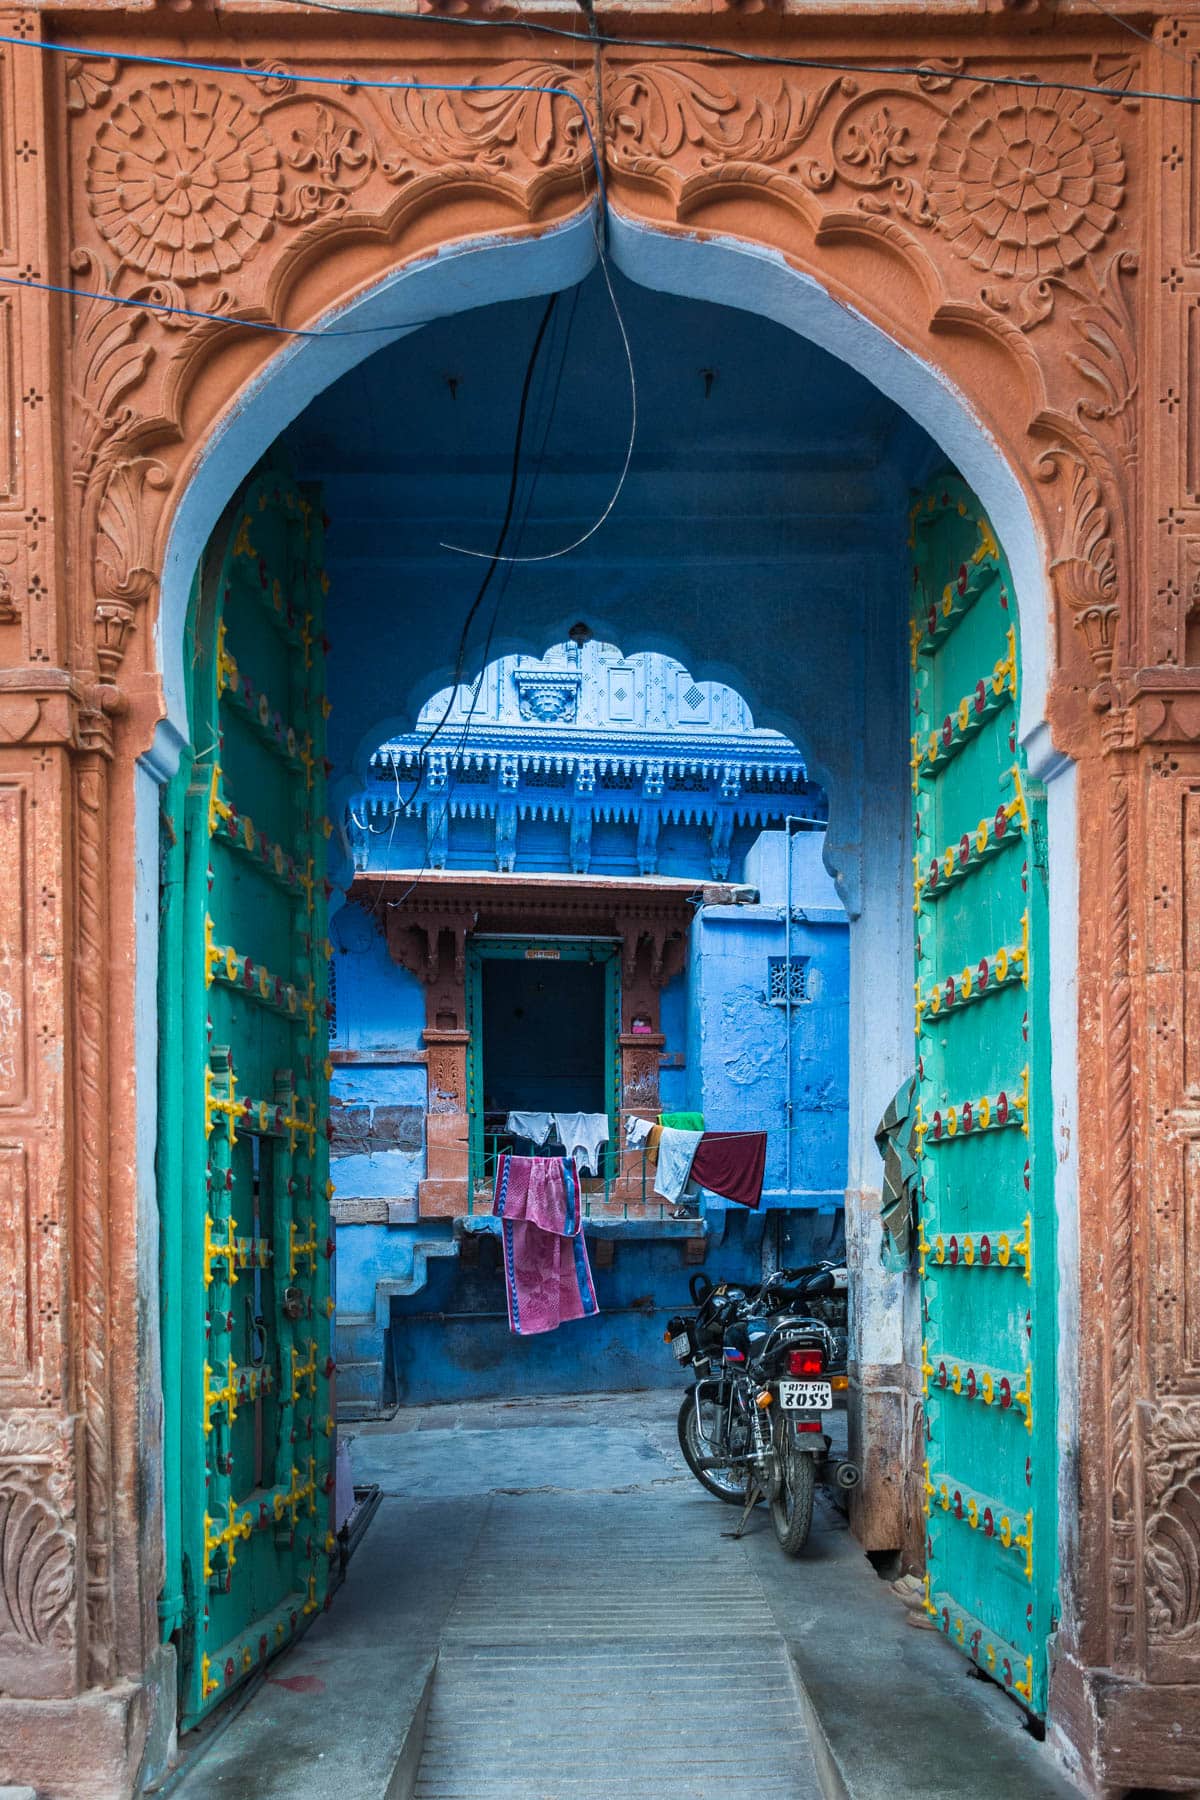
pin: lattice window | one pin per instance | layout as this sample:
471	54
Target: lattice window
777	980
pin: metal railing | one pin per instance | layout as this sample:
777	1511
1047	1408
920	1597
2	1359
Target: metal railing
483	1179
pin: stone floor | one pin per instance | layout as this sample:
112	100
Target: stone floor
546	1608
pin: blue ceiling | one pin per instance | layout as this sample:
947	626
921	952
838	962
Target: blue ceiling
718	391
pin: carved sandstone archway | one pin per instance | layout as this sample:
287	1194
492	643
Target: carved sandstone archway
993	235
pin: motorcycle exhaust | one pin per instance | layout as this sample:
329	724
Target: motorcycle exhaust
847	1475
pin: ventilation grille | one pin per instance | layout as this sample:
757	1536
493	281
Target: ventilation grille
777	980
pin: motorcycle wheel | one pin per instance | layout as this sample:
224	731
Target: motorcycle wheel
728	1484
792	1506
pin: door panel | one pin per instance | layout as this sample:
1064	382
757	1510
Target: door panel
247	1081
987	1198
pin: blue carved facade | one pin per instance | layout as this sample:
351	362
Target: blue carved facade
605	771
582	762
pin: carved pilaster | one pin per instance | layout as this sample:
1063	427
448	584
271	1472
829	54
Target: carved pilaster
91	1182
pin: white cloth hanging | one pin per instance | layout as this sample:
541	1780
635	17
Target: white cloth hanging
532	1125
581	1135
637	1131
675	1152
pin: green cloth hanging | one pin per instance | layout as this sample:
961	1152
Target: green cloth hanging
682	1121
896	1137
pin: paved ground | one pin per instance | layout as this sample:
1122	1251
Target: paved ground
596	1635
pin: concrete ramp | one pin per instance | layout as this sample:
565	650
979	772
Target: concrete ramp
617	1653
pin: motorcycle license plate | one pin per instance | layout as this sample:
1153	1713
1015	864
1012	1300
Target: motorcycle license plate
680	1346
811	1396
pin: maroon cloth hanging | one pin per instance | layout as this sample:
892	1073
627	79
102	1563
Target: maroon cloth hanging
731	1164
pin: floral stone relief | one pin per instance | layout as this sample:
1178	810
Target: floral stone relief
183	180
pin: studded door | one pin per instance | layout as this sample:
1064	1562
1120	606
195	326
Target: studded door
986	1241
244	1152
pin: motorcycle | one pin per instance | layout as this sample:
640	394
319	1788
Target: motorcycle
751	1426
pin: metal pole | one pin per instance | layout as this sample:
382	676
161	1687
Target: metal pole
790	820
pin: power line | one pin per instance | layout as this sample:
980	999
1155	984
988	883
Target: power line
493	564
306	78
192	312
566	549
731	53
1145	37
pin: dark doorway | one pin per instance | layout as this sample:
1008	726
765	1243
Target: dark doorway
543	1036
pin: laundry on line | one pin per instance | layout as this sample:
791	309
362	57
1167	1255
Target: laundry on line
581	1134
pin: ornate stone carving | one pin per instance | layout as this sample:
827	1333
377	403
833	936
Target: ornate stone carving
328	148
91	1116
89	81
549	695
1026	186
37	1574
1173	1523
1119	1034
1085	576
183	181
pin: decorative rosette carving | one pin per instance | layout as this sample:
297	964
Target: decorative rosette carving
1026	186
183	181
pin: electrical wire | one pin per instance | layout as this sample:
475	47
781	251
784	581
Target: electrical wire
493	558
306	78
731	53
192	312
472	611
1145	37
566	549
457	754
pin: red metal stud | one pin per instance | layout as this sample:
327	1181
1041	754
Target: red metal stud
989	1524
968	1116
953	1251
1005	1393
983	973
985	1250
961	581
964	850
1002	1108
970	1384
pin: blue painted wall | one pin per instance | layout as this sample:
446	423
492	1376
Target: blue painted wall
450	1340
417	1323
738	1038
758	540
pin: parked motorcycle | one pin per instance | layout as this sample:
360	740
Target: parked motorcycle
752	1424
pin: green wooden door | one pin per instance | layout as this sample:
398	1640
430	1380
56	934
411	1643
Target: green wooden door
987	1197
243	1165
